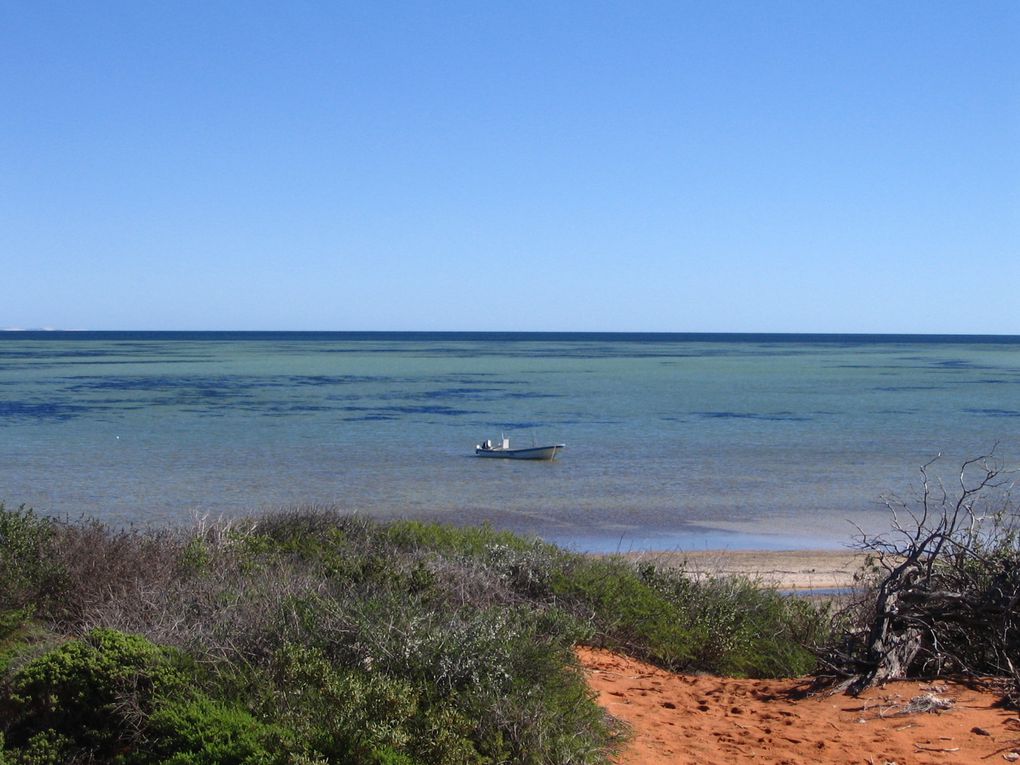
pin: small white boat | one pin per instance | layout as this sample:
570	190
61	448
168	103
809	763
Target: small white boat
503	451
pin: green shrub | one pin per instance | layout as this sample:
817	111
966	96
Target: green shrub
12	621
19	635
197	730
340	710
740	627
627	612
28	571
195	557
46	747
117	697
87	689
469	541
540	709
325	638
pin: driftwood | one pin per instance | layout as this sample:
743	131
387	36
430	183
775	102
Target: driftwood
891	645
946	599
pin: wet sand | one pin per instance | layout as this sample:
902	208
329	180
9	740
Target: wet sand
785	569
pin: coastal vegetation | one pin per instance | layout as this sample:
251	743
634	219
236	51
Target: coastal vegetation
312	637
309	636
943	594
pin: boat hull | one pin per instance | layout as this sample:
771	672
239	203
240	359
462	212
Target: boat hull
532	453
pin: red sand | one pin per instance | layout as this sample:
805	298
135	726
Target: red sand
705	719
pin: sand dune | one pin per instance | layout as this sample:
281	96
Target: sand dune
681	719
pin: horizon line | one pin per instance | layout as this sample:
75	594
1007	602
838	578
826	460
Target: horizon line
392	332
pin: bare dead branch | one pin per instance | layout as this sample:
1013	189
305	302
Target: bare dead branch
948	593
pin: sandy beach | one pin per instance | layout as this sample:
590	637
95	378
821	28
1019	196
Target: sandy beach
705	720
785	569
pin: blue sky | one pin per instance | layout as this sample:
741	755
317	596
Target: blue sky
807	166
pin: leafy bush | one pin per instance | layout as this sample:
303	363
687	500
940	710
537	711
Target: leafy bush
28	572
112	696
626	611
470	541
80	687
87	671
738	627
346	712
197	730
327	638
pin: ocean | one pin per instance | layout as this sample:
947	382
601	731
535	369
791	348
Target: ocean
674	441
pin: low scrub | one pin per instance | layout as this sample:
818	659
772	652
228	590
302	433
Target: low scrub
944	594
315	637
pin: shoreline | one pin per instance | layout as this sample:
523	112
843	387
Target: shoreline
794	570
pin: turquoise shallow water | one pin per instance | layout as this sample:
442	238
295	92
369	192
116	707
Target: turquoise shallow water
673	440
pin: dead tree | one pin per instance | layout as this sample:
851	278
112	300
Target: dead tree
947	595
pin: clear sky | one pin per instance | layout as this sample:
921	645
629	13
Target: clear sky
768	165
